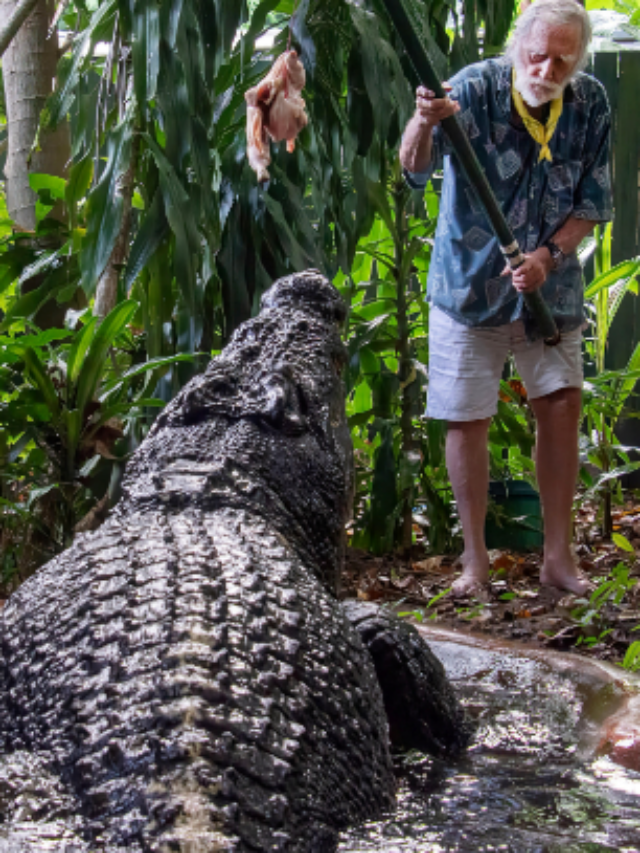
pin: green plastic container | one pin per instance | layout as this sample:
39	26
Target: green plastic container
515	519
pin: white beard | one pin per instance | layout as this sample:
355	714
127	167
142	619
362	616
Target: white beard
534	91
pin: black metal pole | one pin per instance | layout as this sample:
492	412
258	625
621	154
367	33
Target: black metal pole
418	57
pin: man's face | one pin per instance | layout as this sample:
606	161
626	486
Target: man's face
545	62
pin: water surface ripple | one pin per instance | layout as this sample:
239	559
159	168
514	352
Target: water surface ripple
531	782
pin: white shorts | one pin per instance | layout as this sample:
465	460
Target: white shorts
466	363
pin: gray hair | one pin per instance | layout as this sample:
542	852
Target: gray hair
552	13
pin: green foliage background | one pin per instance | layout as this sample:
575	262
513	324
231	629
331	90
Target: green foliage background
158	87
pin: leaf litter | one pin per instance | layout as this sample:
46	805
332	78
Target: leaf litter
515	605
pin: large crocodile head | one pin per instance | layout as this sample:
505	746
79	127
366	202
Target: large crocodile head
264	427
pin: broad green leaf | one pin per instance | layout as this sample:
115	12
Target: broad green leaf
372	310
384	501
369	362
362	398
632	656
42	339
360	418
56	186
201	163
79	181
173	101
105	207
146	49
182	221
77	354
622	542
93	365
72	424
170	13
150	235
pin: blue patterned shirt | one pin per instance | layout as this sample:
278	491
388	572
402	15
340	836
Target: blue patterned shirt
536	197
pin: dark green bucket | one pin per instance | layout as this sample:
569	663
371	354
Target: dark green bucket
515	519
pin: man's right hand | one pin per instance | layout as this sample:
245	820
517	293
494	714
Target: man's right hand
415	150
432	110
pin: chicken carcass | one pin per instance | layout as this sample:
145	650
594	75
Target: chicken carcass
275	110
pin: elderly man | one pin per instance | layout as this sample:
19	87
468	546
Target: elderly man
540	129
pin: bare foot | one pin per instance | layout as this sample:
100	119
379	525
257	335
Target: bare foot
563	574
474	577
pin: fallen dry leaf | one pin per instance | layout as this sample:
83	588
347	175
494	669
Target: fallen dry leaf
504	561
431	564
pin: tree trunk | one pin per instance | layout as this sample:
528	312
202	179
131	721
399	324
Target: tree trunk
29	67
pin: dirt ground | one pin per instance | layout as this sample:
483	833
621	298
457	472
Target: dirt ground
516	606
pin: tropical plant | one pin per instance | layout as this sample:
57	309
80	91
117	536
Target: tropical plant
68	399
607	394
631	660
591	615
161	205
400	463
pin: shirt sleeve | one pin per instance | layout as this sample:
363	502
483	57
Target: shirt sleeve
593	199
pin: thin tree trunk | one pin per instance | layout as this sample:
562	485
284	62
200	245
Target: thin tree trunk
17	18
29	67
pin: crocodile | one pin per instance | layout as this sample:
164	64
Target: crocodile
185	678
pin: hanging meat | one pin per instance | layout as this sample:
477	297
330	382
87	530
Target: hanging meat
275	110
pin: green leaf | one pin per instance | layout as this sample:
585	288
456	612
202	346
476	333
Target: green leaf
79	181
77	354
94	363
632	657
384	502
28	304
40	378
360	418
150	235
105	207
56	186
369	362
154	364
181	218
623	271
362	398
100	26
72	425
146	49
436	598
622	542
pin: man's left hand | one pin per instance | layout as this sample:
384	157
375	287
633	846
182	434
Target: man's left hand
533	273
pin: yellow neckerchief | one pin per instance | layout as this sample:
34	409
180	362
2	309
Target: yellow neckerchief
542	133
